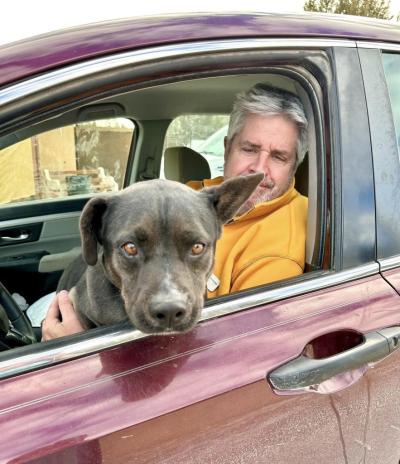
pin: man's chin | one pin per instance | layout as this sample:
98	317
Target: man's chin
260	196
263	195
251	203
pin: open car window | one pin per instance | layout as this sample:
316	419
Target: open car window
79	159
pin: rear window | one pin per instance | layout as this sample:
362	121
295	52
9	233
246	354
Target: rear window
202	133
81	158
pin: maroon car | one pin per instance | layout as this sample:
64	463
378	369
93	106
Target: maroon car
304	370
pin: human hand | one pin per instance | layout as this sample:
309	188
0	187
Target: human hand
61	318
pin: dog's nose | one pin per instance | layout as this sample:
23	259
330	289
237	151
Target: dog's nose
167	314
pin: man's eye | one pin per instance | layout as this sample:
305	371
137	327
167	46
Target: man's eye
197	249
130	249
249	151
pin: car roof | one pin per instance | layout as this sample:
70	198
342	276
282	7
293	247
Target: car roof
49	51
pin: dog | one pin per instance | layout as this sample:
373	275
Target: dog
148	252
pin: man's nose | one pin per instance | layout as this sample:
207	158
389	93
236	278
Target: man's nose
261	163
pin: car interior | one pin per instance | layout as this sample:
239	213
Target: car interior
39	232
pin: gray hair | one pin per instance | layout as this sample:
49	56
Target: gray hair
266	100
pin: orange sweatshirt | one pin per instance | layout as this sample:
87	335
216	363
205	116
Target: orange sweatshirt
264	245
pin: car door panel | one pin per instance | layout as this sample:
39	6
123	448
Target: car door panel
215	373
24	262
251	424
393	277
48	234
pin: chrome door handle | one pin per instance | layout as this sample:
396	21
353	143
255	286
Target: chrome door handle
304	371
22	236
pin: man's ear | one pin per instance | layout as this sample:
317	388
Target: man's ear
226	143
229	196
90	225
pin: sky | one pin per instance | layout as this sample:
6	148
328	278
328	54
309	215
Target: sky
25	18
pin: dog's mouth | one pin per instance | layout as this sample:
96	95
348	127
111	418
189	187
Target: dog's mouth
152	328
169	331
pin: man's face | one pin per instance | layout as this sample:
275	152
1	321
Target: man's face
265	144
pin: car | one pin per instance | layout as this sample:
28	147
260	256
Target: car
303	370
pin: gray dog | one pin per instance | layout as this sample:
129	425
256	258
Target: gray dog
148	251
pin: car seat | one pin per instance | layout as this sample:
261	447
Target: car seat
183	164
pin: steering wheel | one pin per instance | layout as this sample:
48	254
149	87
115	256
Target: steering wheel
20	331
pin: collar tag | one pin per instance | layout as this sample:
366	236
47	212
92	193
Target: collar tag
212	283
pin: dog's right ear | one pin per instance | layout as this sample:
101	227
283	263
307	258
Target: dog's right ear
229	196
90	225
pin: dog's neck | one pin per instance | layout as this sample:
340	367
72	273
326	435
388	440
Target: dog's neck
106	303
111	276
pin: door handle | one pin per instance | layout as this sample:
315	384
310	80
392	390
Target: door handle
21	233
305	372
20	237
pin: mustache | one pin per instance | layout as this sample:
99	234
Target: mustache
267	184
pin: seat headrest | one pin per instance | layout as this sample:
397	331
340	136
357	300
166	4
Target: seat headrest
301	177
184	164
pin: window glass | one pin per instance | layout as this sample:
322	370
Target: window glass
391	65
82	158
204	134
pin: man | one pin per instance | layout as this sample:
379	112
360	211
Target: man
265	242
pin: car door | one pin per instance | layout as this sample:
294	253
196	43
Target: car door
281	373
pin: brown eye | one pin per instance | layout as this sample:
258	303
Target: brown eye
197	248
130	249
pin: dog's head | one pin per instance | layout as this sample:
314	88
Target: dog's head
156	241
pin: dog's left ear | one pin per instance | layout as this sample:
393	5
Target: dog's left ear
229	196
90	224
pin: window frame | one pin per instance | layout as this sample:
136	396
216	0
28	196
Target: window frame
32	357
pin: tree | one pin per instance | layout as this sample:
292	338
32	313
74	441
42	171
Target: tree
371	8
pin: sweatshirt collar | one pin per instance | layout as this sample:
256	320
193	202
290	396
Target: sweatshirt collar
262	209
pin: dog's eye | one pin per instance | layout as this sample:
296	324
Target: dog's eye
198	248
130	249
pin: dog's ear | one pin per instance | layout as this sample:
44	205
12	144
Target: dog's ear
229	196
90	225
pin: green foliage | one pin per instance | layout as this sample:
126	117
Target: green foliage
370	8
